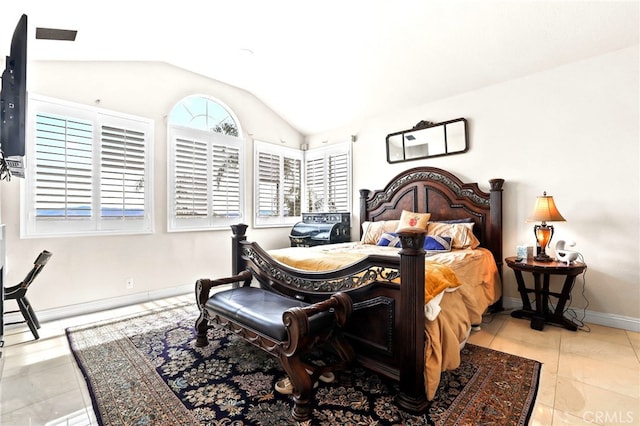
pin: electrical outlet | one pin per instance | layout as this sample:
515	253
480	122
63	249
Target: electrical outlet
130	283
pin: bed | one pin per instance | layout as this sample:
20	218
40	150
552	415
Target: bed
406	324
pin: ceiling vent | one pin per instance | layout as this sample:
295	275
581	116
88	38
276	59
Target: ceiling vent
55	34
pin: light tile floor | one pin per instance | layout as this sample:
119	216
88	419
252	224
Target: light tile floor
587	377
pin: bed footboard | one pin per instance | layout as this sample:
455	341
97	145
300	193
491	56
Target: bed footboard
384	341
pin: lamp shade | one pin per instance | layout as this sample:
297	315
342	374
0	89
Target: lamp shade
545	210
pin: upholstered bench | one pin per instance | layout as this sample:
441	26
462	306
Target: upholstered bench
284	326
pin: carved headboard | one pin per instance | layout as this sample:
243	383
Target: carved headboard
439	192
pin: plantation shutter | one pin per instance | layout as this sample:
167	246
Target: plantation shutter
291	187
206	184
226	181
277	183
122	161
314	181
64	172
268	184
87	171
190	180
328	179
338	182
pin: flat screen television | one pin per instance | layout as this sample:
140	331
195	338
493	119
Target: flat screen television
13	104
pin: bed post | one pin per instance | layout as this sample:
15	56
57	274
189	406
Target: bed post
495	204
412	395
238	264
364	194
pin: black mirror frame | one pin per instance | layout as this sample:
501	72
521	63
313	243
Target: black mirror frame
429	125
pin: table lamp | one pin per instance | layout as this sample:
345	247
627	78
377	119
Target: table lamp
544	211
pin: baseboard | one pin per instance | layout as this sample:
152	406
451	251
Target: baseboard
54	314
592	317
608	320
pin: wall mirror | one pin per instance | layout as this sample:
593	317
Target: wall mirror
427	139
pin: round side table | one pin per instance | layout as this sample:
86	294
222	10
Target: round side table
542	314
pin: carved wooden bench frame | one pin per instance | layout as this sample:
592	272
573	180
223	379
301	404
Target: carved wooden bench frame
300	338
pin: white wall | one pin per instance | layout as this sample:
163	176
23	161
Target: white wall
572	131
89	269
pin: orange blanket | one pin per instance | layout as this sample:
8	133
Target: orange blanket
460	284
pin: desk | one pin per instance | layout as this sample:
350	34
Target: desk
543	270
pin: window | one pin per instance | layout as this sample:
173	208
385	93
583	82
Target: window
206	164
277	185
327	179
290	181
88	171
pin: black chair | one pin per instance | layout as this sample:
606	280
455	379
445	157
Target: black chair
19	294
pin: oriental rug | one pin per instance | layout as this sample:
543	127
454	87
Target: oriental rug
146	370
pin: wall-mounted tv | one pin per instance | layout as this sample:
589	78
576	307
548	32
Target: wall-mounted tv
13	105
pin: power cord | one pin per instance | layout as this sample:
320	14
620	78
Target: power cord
570	312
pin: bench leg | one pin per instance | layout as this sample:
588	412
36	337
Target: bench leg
302	387
202	326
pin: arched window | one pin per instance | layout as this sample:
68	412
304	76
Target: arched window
205	114
206	166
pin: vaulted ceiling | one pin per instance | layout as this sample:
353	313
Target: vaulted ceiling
323	64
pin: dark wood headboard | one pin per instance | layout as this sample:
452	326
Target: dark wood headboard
439	192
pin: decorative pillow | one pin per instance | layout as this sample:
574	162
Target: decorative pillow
372	231
431	242
437	243
413	220
390	239
461	234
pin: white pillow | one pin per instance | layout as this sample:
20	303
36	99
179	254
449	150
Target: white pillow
461	234
372	231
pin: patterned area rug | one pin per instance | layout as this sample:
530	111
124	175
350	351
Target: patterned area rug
146	370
